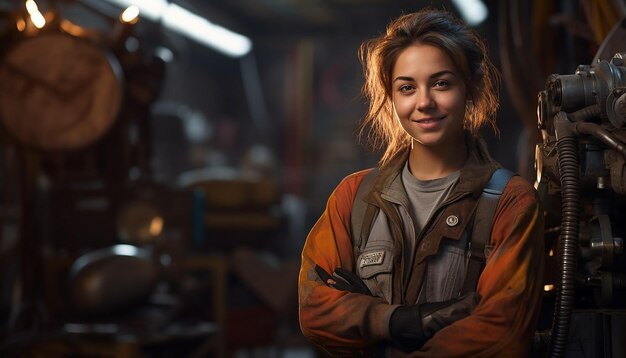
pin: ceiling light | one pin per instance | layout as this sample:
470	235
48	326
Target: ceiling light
186	23
473	12
203	31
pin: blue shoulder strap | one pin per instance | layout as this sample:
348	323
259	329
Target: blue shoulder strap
479	247
499	179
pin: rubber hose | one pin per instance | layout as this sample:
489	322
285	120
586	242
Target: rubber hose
567	154
582	115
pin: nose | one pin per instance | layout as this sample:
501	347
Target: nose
424	100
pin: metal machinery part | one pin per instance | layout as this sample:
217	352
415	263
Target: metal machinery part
59	92
582	118
112	278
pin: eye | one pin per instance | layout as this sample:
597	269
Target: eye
442	84
406	88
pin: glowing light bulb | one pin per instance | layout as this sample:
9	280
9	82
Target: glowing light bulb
130	15
21	24
35	16
156	226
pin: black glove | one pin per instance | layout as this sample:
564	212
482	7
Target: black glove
343	280
411	326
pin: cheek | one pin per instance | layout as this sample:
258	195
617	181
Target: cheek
402	107
454	104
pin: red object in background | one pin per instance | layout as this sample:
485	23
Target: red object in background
251	327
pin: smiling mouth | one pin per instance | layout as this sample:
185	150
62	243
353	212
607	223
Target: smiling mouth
428	120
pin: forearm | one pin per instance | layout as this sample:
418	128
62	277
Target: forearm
338	320
352	321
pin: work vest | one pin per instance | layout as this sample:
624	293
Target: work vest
456	268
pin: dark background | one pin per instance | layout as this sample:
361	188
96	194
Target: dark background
264	139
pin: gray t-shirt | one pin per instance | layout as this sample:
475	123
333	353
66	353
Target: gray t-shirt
425	195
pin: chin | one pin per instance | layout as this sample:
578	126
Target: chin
439	138
429	141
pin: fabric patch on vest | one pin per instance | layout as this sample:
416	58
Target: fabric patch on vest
372	258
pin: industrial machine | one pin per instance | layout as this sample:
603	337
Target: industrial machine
581	177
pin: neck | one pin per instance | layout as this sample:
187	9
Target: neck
428	162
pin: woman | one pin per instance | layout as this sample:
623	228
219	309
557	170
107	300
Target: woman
431	87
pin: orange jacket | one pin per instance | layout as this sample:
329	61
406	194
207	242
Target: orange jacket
502	324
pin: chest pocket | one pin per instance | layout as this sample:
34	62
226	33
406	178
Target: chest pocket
374	266
446	271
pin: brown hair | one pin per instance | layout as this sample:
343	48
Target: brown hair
464	47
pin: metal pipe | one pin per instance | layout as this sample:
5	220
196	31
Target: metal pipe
601	134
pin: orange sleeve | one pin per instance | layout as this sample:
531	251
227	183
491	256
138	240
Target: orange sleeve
510	286
342	323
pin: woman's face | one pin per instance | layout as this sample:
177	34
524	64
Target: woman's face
428	95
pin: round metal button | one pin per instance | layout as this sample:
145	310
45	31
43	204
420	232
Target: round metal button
452	220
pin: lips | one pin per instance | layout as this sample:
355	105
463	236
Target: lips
428	123
428	120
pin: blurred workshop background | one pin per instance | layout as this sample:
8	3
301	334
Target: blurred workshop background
161	164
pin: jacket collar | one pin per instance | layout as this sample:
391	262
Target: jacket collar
473	177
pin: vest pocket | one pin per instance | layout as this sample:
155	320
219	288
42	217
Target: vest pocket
374	266
446	272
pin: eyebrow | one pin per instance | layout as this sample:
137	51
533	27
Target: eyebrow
434	75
